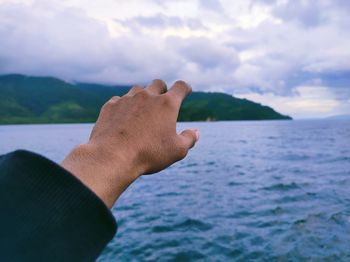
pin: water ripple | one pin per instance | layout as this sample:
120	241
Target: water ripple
248	191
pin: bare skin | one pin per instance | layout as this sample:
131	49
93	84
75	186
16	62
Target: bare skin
134	135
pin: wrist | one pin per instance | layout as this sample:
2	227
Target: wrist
106	172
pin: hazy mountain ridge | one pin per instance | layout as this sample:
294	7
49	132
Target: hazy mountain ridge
27	99
339	117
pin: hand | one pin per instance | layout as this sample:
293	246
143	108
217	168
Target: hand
134	134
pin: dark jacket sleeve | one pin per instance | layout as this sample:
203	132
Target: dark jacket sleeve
47	214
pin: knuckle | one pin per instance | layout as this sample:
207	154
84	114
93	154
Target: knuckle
113	99
182	84
159	82
106	106
137	86
143	94
110	102
135	89
182	87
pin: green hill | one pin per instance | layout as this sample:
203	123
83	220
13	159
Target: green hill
26	99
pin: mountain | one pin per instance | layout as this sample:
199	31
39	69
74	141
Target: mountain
28	99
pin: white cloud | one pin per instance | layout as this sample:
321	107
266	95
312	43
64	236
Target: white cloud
268	50
306	102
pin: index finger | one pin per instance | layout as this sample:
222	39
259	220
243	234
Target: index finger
157	87
179	90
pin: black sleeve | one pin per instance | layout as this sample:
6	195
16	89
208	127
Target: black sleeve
47	214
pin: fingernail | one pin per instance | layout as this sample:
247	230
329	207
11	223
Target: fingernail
197	134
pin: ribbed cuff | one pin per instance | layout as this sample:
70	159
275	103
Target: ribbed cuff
49	214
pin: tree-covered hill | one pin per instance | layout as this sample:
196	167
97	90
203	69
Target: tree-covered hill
26	99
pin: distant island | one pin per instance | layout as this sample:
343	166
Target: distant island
29	99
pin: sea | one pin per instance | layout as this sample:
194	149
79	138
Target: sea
248	191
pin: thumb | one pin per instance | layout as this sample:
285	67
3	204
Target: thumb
189	137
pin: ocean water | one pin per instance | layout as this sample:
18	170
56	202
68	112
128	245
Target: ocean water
249	191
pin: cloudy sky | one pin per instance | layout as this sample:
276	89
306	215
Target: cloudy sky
292	55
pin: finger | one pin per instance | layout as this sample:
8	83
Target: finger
111	101
189	137
134	90
179	91
157	87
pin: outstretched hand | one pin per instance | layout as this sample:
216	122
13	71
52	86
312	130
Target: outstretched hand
134	135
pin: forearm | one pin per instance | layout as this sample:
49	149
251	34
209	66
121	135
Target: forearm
95	169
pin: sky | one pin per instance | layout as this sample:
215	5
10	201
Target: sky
291	55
